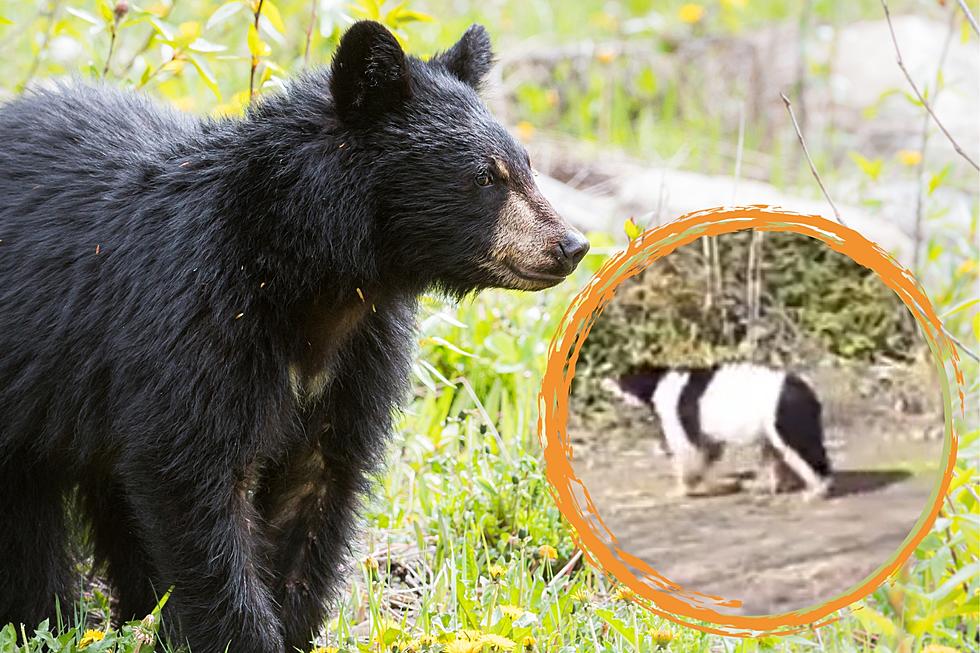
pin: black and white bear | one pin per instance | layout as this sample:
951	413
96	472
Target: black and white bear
701	410
206	325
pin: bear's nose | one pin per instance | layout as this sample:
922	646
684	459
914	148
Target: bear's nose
572	249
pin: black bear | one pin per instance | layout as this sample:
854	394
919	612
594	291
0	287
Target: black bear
206	325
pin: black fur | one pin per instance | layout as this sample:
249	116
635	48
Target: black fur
642	382
471	58
799	423
689	405
205	325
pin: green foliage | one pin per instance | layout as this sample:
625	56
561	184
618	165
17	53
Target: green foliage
814	303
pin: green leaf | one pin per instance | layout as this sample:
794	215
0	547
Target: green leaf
423	375
201	45
961	307
632	229
870	167
256	45
162	28
270	11
107	11
953	583
937	179
448	345
202	69
874	621
617	624
84	15
223	13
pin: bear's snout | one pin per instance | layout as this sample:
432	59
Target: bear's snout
571	250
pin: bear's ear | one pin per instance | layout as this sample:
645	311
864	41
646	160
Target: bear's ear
470	59
369	74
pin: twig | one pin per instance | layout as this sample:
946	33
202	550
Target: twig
255	59
739	147
923	143
117	15
925	103
309	33
148	43
51	14
942	327
566	569
809	160
949	537
959	343
969	17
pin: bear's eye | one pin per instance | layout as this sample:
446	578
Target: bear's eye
484	179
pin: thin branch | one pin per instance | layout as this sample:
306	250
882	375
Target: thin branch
959	343
809	160
51	15
923	143
942	327
969	17
566	569
309	32
148	43
925	103
117	16
255	59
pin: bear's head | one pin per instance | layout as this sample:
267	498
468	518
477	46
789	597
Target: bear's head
454	195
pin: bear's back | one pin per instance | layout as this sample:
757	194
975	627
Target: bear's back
75	123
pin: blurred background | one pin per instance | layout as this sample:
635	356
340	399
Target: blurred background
634	112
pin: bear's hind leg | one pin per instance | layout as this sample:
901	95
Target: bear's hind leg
36	570
115	536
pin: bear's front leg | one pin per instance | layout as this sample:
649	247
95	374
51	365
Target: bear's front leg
310	502
201	533
309	505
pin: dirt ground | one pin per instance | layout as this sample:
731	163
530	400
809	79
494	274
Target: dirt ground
776	554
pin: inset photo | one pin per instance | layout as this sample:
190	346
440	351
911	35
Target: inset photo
758	417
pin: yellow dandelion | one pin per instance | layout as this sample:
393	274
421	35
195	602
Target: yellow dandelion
582	595
605	56
421	641
528	643
939	648
370	564
512	611
909	157
623	593
463	646
548	552
90	637
497	571
661	637
525	130
498	642
966	267
690	13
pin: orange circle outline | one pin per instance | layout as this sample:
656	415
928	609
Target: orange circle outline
593	538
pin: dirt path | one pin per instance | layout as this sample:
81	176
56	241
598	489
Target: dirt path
774	554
